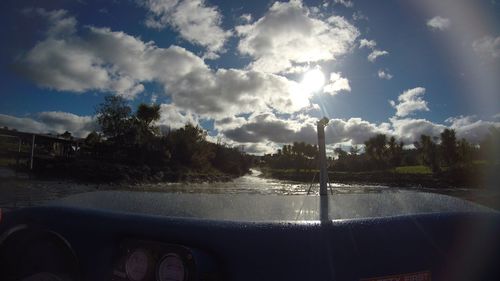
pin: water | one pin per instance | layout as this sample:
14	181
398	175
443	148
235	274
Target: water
255	184
22	192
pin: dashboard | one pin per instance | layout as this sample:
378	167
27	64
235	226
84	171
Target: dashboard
141	236
139	260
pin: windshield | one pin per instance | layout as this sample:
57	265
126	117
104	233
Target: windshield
256	97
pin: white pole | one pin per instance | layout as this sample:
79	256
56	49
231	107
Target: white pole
32	152
323	176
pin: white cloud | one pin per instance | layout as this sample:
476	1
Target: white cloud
410	101
228	123
358	15
346	3
99	59
272	131
229	92
112	61
371	44
193	19
353	130
266	128
51	122
470	128
264	133
269	128
336	83
384	74
289	33
60	23
260	148
246	18
460	121
173	118
409	130
66	62
487	47
375	54
103	60
255	148
365	43
439	23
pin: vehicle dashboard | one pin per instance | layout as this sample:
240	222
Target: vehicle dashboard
70	241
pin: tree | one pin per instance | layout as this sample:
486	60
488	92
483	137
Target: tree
66	135
449	147
230	159
143	127
340	153
464	152
354	150
376	147
189	147
92	138
113	116
395	152
428	152
148	113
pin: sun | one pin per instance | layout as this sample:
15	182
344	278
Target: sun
313	81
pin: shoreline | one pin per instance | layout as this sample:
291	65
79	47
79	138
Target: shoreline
386	178
116	174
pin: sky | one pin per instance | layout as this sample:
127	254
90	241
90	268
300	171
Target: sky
256	74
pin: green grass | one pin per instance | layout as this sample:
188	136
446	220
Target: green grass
420	169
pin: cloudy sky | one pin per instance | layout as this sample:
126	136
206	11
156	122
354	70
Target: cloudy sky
256	73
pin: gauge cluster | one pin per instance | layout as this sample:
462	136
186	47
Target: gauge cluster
140	260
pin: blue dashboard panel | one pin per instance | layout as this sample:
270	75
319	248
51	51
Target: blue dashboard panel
447	238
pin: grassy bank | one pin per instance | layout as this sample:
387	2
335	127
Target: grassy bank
92	171
407	176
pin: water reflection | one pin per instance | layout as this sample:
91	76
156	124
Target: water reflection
255	184
22	193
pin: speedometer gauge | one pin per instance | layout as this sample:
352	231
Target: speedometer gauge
171	268
137	265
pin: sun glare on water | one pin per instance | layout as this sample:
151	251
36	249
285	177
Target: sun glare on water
313	81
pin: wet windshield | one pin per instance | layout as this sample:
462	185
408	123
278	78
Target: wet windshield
253	97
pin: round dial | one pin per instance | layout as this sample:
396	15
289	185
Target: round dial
137	265
171	268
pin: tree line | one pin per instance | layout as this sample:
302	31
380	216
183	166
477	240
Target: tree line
381	152
298	155
135	139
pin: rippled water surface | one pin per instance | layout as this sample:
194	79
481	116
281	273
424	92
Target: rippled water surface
255	184
15	192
